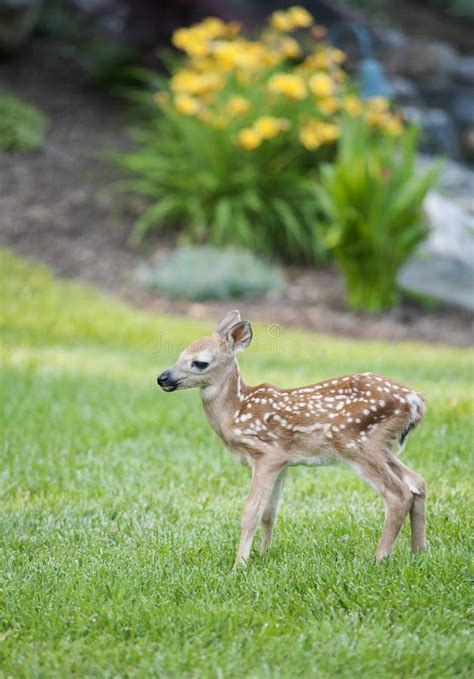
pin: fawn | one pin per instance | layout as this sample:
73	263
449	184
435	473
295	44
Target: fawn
355	419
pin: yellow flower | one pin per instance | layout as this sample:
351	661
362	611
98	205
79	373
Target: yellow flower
315	133
289	47
281	22
352	105
238	54
268	126
378	104
248	139
232	29
237	105
321	85
300	17
329	132
392	125
319	59
310	138
190	40
196	83
295	17
227	54
328	105
213	27
186	105
374	118
292	86
337	55
162	99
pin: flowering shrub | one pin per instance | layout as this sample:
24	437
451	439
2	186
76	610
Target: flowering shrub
233	143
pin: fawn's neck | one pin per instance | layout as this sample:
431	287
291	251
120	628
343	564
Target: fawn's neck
222	399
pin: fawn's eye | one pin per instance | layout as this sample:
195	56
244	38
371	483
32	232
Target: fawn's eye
200	365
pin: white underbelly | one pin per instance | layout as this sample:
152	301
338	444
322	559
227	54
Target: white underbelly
313	460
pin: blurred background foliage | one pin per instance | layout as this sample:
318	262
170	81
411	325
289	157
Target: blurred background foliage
252	128
232	152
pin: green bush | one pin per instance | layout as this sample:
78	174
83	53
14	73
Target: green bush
22	127
372	198
202	273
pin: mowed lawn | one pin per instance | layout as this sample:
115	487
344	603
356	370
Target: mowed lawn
120	510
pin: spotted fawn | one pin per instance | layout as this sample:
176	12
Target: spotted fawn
355	419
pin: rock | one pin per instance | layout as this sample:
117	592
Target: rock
468	142
462	107
456	182
439	135
464	70
403	89
440	278
390	46
444	266
424	59
451	229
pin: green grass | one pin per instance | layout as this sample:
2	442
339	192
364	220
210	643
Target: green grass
120	510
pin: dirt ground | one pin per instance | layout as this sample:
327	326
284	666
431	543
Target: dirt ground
58	207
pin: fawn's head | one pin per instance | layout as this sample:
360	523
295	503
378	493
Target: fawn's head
207	360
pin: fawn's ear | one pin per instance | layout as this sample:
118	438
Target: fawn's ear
226	323
239	336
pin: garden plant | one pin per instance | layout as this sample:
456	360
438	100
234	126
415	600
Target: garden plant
203	272
372	198
22	126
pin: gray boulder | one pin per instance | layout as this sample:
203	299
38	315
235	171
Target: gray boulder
443	268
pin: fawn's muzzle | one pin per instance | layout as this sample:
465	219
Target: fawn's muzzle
166	382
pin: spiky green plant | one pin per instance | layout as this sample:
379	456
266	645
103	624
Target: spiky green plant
372	197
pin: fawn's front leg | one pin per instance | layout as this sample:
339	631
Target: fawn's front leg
270	512
261	489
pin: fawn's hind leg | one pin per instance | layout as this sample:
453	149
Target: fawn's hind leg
397	498
416	484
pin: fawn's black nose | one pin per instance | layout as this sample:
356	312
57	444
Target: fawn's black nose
166	381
